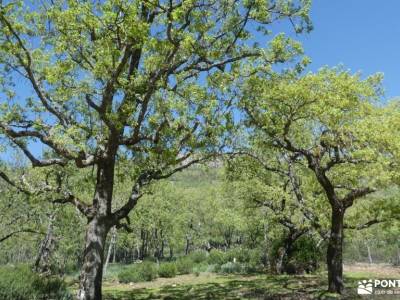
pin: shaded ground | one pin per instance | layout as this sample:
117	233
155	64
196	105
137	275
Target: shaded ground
212	286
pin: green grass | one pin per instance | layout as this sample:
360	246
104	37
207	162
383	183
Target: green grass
211	286
261	286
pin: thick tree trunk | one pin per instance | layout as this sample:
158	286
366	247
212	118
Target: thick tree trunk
92	269
335	252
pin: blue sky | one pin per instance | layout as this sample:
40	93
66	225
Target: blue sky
363	35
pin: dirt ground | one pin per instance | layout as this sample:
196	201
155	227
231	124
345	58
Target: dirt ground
375	270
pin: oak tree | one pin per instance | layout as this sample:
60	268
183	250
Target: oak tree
330	122
91	83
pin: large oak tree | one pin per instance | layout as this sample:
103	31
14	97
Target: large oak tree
93	82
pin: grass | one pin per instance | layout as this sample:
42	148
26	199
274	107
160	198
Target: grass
213	286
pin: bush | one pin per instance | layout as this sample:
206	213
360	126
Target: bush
238	254
198	256
145	271
249	268
244	255
231	268
150	259
128	275
256	257
307	253
304	255
184	265
167	270
200	267
213	268
217	257
21	283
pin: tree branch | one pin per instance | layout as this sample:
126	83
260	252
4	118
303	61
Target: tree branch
355	194
6	237
365	225
12	183
85	209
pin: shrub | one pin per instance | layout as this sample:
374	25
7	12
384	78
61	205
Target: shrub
238	254
213	268
244	255
198	256
145	271
51	287
21	283
231	268
184	265
217	257
307	253
150	259
304	255
248	268
128	275
256	257
200	267
167	270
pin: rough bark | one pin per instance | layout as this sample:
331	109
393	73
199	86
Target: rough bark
92	269
99	224
335	252
42	263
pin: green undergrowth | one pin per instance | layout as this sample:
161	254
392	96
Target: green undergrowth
207	286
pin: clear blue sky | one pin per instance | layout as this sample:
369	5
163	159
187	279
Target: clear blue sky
363	35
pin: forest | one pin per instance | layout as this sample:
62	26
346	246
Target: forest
184	149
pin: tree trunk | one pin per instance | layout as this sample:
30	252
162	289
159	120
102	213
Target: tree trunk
92	269
112	243
162	249
335	252
99	224
279	260
285	252
369	253
42	263
398	256
187	245
114	250
143	246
